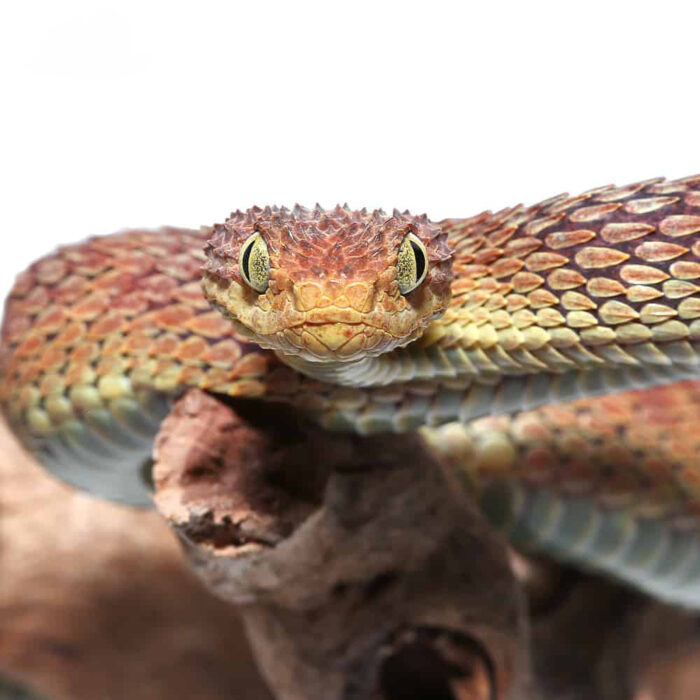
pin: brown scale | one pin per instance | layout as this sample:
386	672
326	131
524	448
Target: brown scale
637	448
607	266
613	265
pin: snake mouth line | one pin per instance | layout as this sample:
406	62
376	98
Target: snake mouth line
335	339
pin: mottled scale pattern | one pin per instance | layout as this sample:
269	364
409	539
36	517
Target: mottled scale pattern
97	335
610	484
610	276
571	297
574	297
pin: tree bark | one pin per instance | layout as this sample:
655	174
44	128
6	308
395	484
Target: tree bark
351	558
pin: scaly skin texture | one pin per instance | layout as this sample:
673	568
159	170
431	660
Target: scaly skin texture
333	293
576	296
611	484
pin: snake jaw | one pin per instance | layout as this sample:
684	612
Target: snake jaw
333	293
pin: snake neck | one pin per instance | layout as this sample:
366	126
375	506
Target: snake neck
366	371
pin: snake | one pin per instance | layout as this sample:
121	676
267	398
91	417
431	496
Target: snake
550	353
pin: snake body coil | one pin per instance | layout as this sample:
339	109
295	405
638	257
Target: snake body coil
373	322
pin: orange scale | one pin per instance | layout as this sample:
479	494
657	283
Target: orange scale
71	335
136	343
70	290
664	423
173	318
248	389
190	349
36	301
105	326
182	267
111	365
191	294
31	345
522	246
87	262
597	426
500	236
487	256
561	416
144	323
529	428
215	377
113	282
476	270
683	448
164	366
641	436
119	243
90	307
130	304
141	362
52	358
209	325
157	288
617	416
85	352
112	347
192	376
488	284
16	327
252	364
51	270
506	267
78	373
137	265
164	345
158	251
477	298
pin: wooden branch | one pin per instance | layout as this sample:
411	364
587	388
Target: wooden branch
96	601
362	569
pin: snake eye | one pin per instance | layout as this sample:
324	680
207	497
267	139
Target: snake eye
412	265
255	263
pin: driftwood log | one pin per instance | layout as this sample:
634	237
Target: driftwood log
359	566
363	570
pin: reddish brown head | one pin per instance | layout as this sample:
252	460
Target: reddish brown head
328	285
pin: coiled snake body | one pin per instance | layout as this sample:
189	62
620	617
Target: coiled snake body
374	322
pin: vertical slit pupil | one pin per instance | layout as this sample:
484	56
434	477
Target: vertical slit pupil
420	260
246	260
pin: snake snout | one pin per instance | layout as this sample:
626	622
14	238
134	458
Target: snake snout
359	296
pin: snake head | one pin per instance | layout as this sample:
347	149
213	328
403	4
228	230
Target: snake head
332	285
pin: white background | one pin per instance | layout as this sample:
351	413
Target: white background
119	114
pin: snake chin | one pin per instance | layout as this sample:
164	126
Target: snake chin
332	342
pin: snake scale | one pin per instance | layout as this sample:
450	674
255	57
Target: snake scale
550	353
